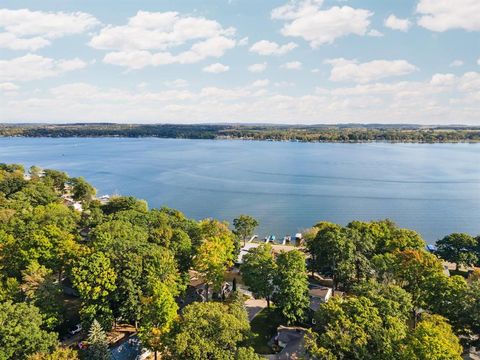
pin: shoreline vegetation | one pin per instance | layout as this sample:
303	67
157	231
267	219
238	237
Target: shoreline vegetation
83	277
342	133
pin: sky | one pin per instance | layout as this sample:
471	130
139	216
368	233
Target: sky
240	61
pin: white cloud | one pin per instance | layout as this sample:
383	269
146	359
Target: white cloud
177	83
31	30
375	33
456	63
395	23
265	47
257	68
243	41
149	38
35	67
307	20
8	87
261	83
292	65
351	70
443	15
216	68
454	100
443	79
478	61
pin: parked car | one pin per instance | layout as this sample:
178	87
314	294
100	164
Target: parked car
76	329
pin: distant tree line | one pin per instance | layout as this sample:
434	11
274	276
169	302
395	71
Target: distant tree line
314	133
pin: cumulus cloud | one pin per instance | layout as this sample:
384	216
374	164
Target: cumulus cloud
307	19
216	68
444	98
257	68
395	23
456	63
375	33
177	83
8	87
31	30
292	65
443	15
352	70
261	83
35	67
149	38
443	79
265	47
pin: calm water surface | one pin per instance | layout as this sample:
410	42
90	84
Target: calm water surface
434	189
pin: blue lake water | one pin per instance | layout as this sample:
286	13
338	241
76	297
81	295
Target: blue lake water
287	186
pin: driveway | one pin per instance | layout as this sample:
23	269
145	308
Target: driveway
254	306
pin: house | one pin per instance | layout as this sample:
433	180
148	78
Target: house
291	340
318	296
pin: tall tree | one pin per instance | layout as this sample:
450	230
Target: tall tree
41	287
332	252
244	226
213	257
258	271
458	248
21	332
291	295
59	353
97	343
211	330
353	328
158	313
82	190
432	339
94	279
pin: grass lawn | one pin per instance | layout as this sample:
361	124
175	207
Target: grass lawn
264	326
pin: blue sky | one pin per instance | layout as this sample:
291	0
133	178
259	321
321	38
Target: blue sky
299	62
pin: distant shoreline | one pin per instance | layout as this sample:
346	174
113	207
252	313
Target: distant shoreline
287	133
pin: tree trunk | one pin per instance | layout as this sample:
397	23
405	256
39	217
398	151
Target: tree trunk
206	292
268	302
155	352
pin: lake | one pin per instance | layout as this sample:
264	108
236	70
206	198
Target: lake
287	186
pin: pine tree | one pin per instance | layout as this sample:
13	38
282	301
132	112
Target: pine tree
97	343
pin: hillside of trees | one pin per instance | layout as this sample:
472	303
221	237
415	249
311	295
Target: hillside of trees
119	262
314	133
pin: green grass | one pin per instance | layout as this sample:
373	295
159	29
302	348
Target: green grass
264	327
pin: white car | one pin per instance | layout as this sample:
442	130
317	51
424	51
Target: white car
76	329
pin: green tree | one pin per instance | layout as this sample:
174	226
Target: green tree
213	257
412	269
41	288
333	253
21	332
209	331
458	248
97	343
58	179
82	190
94	279
59	353
122	203
391	300
291	295
353	328
258	271
244	226
432	339
158	313
247	353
